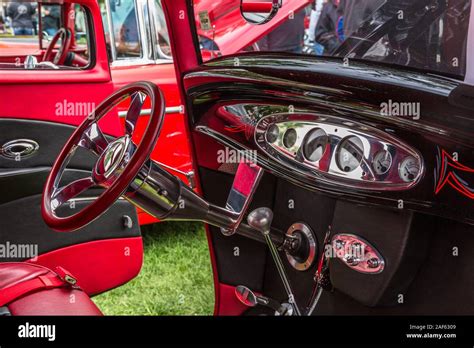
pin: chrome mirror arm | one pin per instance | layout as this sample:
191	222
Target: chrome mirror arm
246	181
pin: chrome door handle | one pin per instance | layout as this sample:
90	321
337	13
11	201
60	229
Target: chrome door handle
19	149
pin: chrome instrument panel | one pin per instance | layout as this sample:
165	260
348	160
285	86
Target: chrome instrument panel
339	151
357	254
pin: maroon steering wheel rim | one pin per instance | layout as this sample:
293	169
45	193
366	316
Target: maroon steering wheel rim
133	167
60	56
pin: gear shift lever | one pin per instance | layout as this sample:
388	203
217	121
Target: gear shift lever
261	220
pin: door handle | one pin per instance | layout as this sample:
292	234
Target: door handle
19	149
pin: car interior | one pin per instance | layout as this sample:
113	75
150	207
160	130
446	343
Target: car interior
323	174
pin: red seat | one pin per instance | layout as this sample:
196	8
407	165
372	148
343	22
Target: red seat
62	300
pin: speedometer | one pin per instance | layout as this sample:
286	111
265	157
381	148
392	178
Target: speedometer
350	154
315	144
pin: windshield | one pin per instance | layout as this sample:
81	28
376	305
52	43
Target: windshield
430	35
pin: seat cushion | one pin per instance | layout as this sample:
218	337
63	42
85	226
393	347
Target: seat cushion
54	301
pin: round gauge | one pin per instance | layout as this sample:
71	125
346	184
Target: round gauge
349	154
382	162
272	133
409	169
315	144
289	138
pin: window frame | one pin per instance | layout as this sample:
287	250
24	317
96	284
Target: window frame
147	25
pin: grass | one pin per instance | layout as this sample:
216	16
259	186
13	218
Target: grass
176	278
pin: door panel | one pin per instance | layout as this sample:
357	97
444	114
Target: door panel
21	184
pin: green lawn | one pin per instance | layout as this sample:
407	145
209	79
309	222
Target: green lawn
176	278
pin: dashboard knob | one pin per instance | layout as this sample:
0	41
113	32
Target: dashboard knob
373	262
261	219
339	244
351	260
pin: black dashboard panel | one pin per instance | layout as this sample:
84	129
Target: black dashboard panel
232	105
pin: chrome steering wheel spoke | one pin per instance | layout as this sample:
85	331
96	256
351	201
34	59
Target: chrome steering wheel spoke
94	140
63	194
70	191
136	104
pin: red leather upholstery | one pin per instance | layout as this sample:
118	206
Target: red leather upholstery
56	301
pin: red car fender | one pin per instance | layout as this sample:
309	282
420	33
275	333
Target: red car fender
227	15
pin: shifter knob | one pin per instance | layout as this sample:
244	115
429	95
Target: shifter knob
261	219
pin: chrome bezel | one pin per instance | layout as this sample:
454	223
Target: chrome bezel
401	164
360	265
341	147
28	149
309	234
306	141
389	167
326	169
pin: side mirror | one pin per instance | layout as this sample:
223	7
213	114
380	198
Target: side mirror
259	11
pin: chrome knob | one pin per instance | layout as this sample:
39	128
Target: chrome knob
339	244
351	260
373	263
261	220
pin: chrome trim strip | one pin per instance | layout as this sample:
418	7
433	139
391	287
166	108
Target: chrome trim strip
132	61
90	198
147	112
111	30
469	78
144	39
146	12
4	173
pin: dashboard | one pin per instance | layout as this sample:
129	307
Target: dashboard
318	125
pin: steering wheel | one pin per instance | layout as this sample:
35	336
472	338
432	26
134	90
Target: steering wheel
59	57
118	163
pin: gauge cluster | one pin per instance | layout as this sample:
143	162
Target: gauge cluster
340	151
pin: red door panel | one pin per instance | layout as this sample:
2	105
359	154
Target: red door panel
65	97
